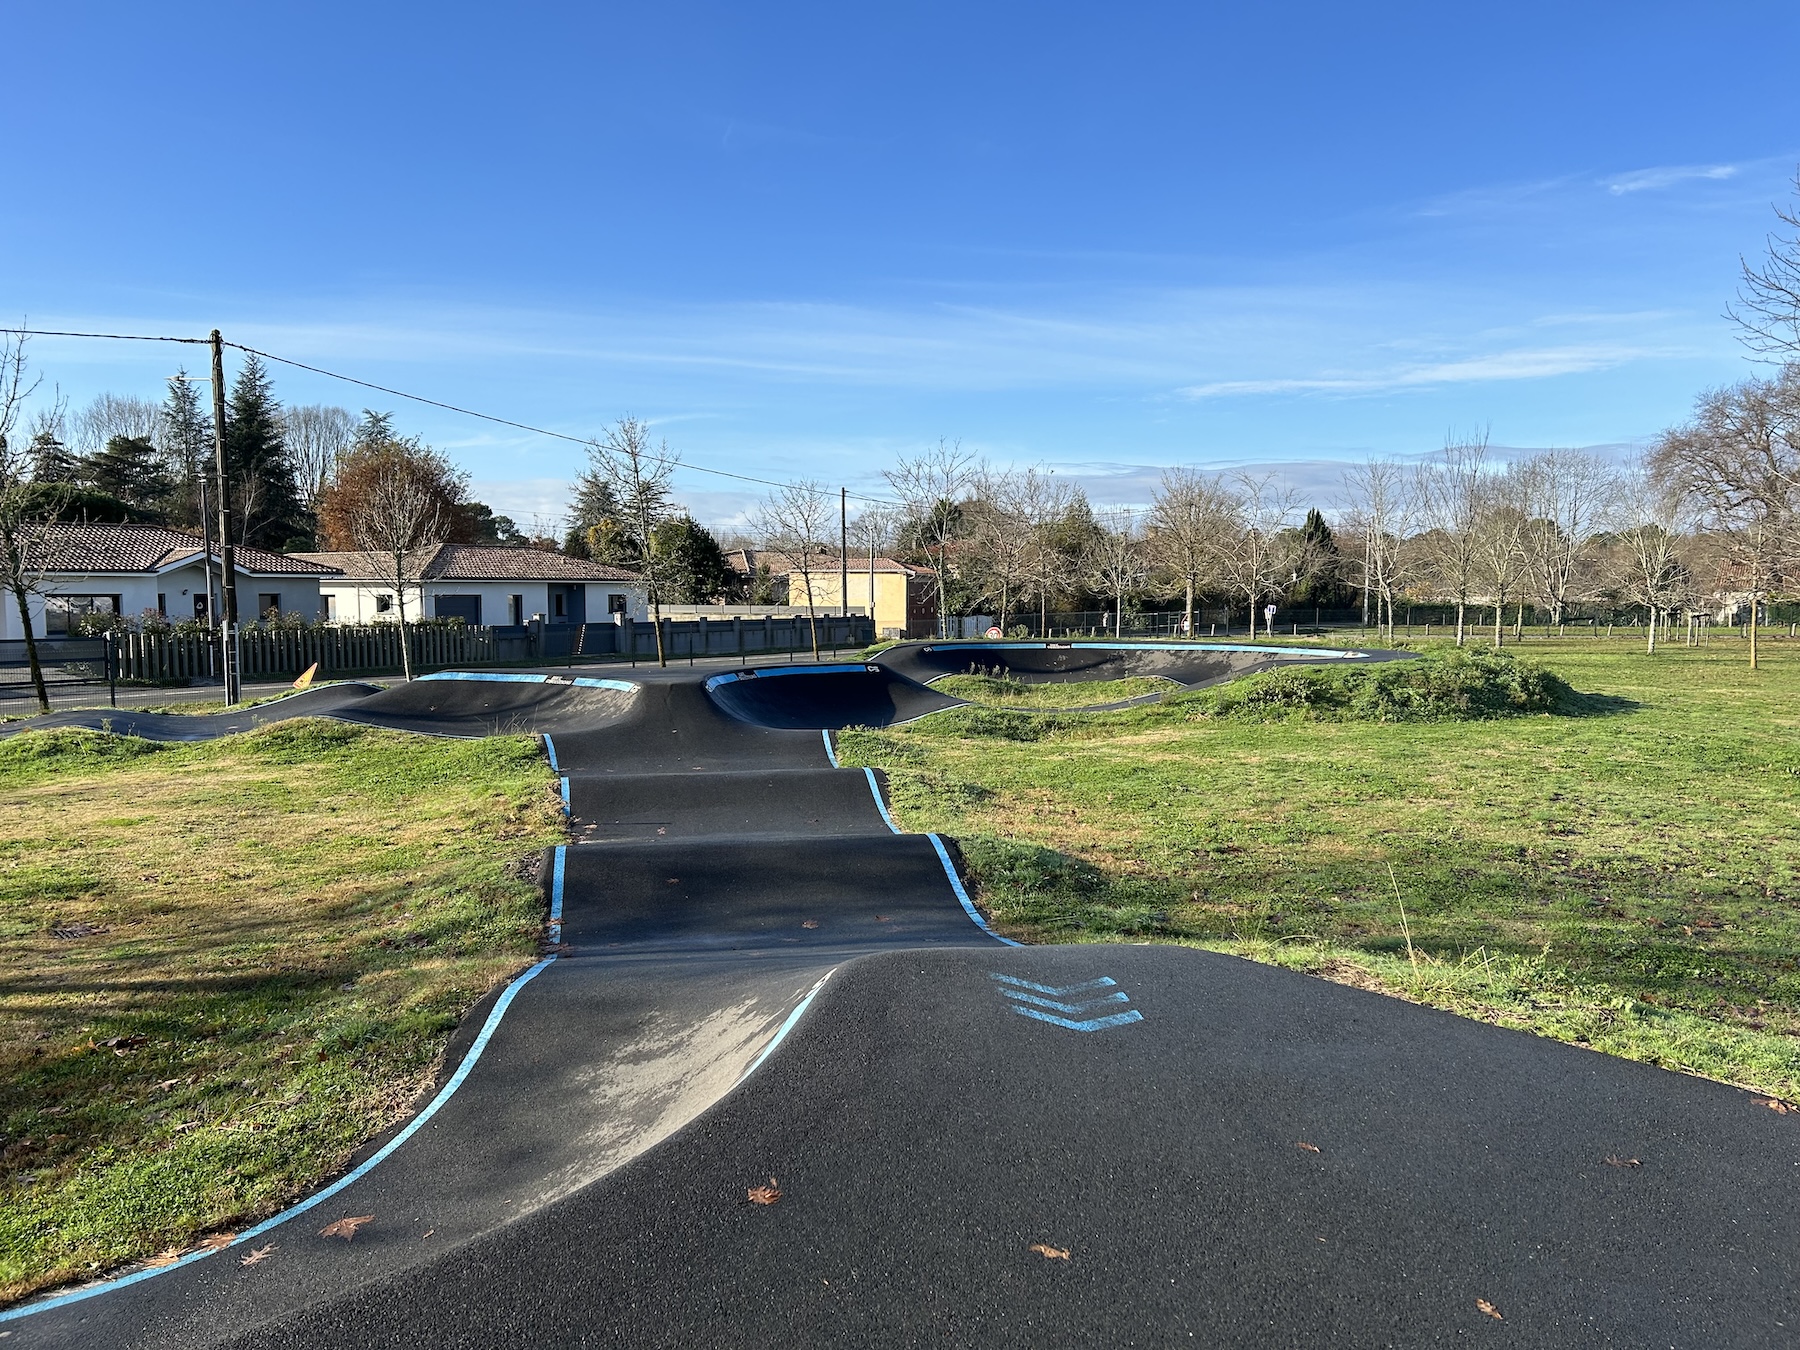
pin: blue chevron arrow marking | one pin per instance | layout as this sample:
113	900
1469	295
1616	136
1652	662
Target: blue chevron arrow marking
1046	1009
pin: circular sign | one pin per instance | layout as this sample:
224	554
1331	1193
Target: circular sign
995	632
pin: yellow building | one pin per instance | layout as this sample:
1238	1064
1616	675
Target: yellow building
903	597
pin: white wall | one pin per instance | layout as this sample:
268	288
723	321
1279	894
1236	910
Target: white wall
178	586
355	601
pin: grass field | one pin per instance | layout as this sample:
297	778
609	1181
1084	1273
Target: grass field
224	967
1621	872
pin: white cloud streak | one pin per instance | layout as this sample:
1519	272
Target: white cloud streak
1666	176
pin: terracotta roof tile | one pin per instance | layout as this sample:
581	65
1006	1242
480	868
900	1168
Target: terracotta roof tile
460	562
150	548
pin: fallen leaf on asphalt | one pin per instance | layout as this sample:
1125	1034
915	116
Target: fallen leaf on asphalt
1611	1161
215	1242
167	1257
1489	1309
1779	1107
882	918
810	923
429	1232
259	1254
1310	1148
346	1227
1050	1253
765	1195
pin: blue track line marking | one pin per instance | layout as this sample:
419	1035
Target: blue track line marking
1104	982
1140	647
1019	995
565	795
830	754
550	750
962	896
413	1126
556	891
786	1026
498	677
770	672
1094	1024
881	806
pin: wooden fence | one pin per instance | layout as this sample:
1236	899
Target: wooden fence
166	656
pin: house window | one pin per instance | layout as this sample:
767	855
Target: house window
266	601
383	603
62	613
558	605
330	609
615	604
515	610
162	604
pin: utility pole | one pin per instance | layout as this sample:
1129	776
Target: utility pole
227	550
844	551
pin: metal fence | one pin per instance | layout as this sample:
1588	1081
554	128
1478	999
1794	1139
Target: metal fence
66	663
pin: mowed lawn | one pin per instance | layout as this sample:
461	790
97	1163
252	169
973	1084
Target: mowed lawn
225	967
1621	874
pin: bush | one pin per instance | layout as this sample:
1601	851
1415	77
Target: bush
1443	684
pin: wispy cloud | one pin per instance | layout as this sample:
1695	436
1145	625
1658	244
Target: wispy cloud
1521	364
1665	176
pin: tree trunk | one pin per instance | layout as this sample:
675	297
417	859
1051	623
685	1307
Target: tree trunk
1119	617
1459	623
405	639
662	657
813	615
1753	632
1650	648
1188	619
1499	621
31	651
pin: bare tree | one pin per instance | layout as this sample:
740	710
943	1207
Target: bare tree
1006	516
931	487
1189	532
1257	562
1116	563
24	526
1500	556
1049	564
1651	519
871	533
637	474
796	521
110	416
1451	491
1566	495
1738	458
399	522
316	436
1768	309
1380	506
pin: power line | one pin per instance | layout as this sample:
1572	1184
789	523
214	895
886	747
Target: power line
434	403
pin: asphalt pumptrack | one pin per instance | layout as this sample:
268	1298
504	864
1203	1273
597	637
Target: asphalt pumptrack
753	978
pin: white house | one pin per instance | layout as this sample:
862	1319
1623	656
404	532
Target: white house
493	586
128	569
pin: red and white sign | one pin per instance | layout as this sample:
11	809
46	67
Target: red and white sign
995	631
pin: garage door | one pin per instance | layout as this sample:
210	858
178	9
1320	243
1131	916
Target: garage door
464	607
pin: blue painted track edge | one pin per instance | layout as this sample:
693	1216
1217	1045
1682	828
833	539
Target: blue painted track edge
786	1026
881	806
962	896
411	1128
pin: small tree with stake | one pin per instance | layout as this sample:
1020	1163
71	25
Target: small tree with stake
636	475
796	520
400	520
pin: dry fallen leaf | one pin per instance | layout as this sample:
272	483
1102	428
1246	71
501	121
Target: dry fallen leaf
167	1257
258	1254
810	923
1774	1104
1489	1309
765	1195
1612	1161
1310	1148
346	1227
216	1242
1050	1253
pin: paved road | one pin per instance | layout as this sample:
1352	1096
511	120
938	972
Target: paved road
975	1143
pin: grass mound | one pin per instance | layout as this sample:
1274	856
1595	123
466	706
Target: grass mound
1002	691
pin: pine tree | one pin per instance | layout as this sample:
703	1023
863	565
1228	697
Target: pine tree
130	470
595	505
52	461
187	436
270	511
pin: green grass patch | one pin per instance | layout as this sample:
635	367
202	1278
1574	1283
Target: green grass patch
1615	866
229	965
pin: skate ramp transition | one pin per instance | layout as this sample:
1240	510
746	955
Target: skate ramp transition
1047	662
752	978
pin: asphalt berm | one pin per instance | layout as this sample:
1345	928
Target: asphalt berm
760	990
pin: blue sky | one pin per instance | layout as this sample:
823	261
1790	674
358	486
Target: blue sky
802	240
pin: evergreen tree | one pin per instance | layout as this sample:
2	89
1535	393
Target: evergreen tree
697	574
187	436
1318	567
373	429
271	513
595	505
130	470
52	461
